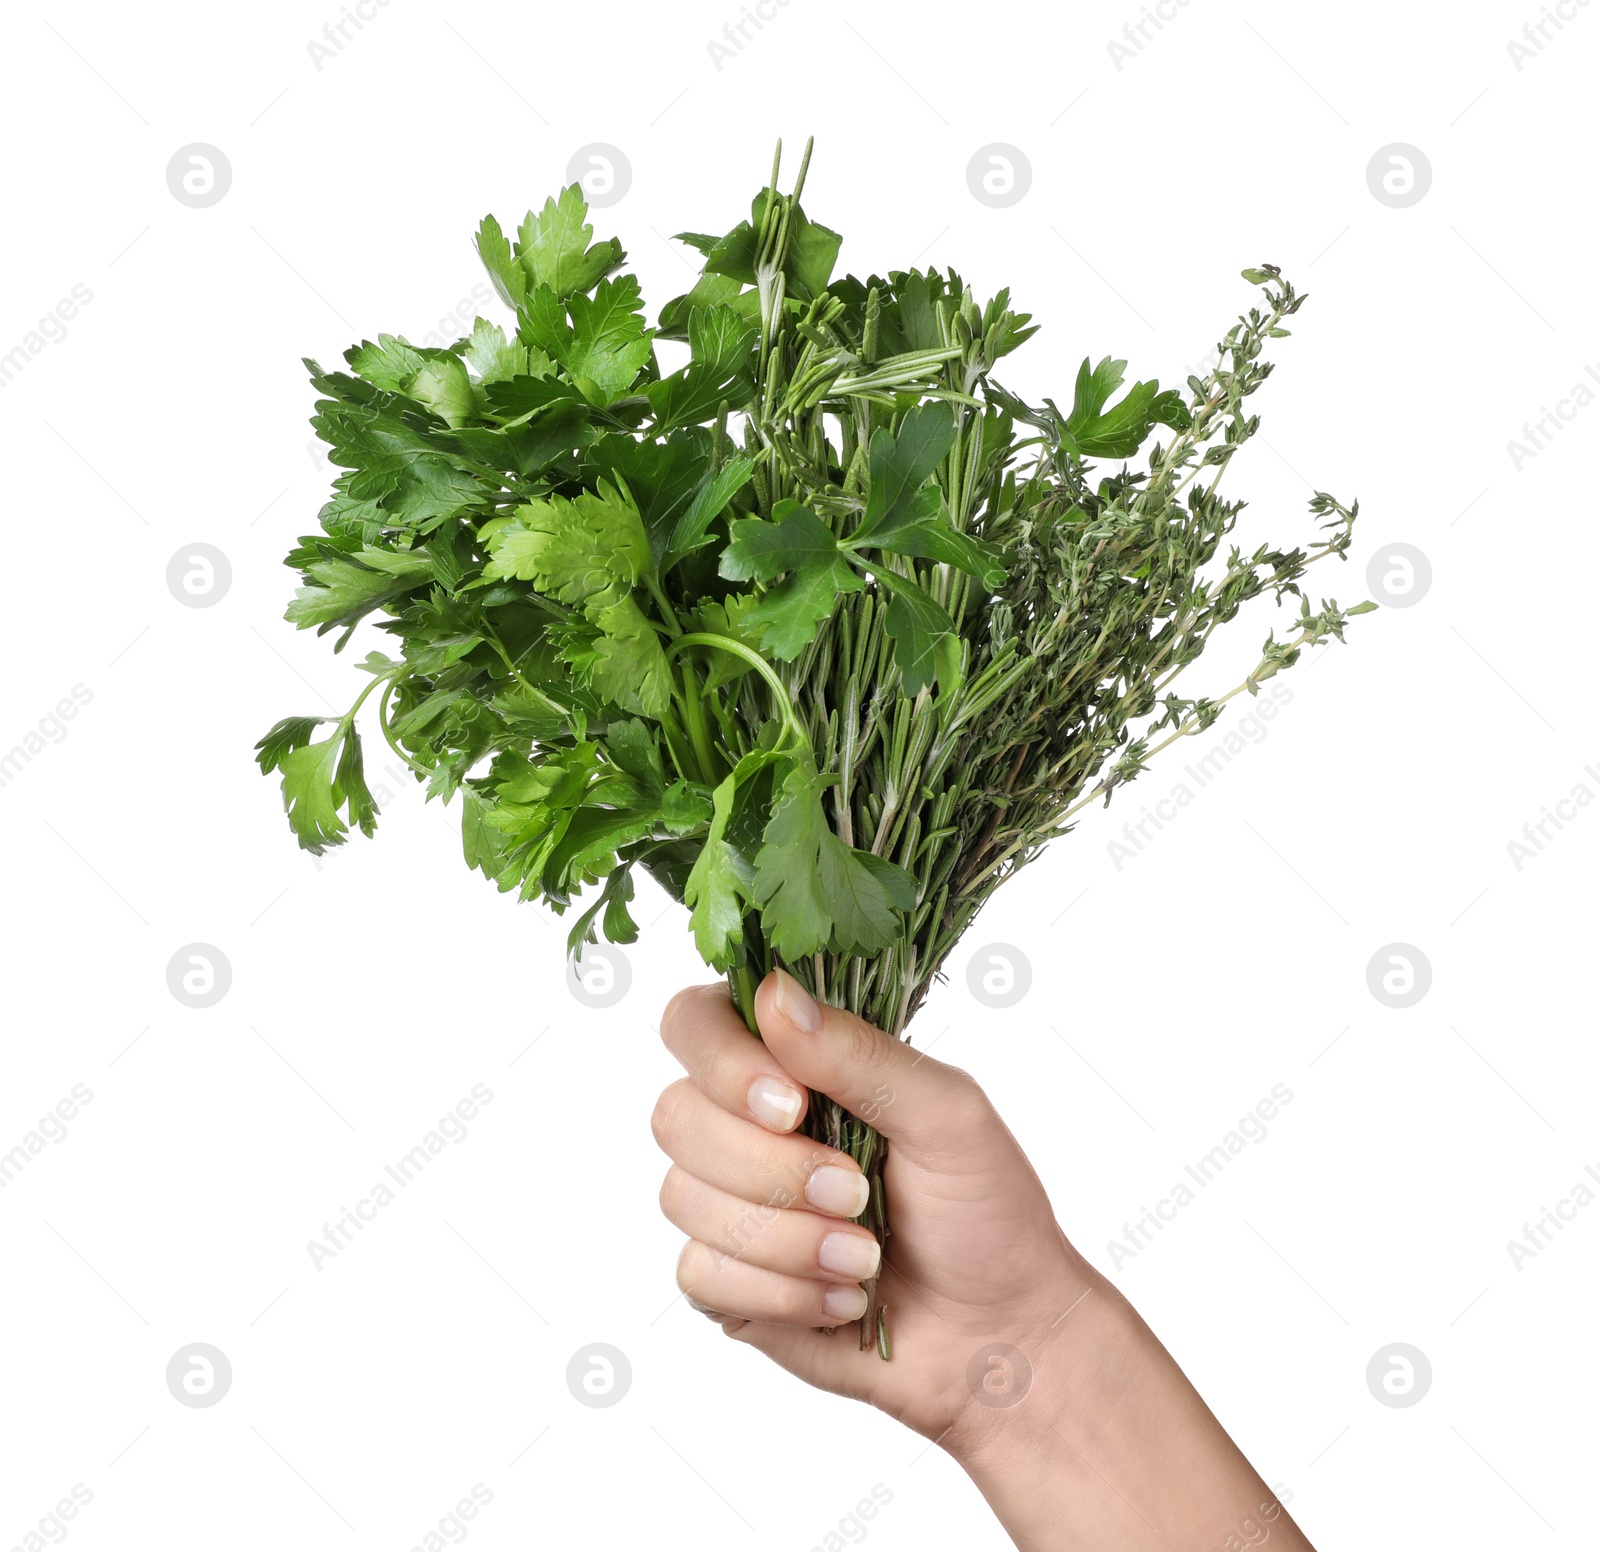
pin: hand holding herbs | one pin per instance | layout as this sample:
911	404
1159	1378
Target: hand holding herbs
993	1305
822	628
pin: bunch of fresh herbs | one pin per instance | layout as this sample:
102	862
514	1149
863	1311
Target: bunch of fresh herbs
823	629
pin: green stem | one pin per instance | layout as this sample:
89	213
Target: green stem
738	649
492	637
668	617
388	732
745	981
350	716
699	734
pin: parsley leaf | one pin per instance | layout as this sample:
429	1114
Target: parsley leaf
587	550
606	342
711	498
1092	431
712	893
344	588
900	467
815	892
318	780
625	663
918	625
552	249
799	543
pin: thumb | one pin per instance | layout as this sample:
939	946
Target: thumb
918	1103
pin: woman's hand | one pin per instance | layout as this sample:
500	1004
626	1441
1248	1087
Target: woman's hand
1009	1349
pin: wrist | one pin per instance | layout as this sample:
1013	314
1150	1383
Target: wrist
1101	1440
1052	1377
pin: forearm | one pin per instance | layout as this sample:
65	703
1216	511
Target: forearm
1112	1447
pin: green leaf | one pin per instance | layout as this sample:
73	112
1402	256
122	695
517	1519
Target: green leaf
586	847
496	361
606	342
720	340
442	385
712	893
343	588
724	617
721	370
483	844
553	247
799	543
685	807
899	885
620	926
813	251
788	876
508	276
815	891
760	551
350	785
524	397
660	476
1092	431
428	491
899	466
553	437
917	624
542	321
624	663
788	616
735	254
708	291
858	896
931	539
390	364
283	738
587	551
710	500
633	748
318	780
609	340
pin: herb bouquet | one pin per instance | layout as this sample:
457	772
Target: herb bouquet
822	628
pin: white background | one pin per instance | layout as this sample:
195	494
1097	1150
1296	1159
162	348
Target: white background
370	993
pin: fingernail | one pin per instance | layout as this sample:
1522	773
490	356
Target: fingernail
774	1104
849	1255
845	1303
795	1004
842	1192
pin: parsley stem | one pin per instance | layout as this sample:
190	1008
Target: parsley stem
695	721
350	716
388	732
738	649
668	617
745	981
492	637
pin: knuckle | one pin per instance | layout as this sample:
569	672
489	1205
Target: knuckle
670	1197
677	1015
697	1274
965	1090
686	1010
668	1119
722	1076
785	1299
778	1174
863	1045
685	1269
